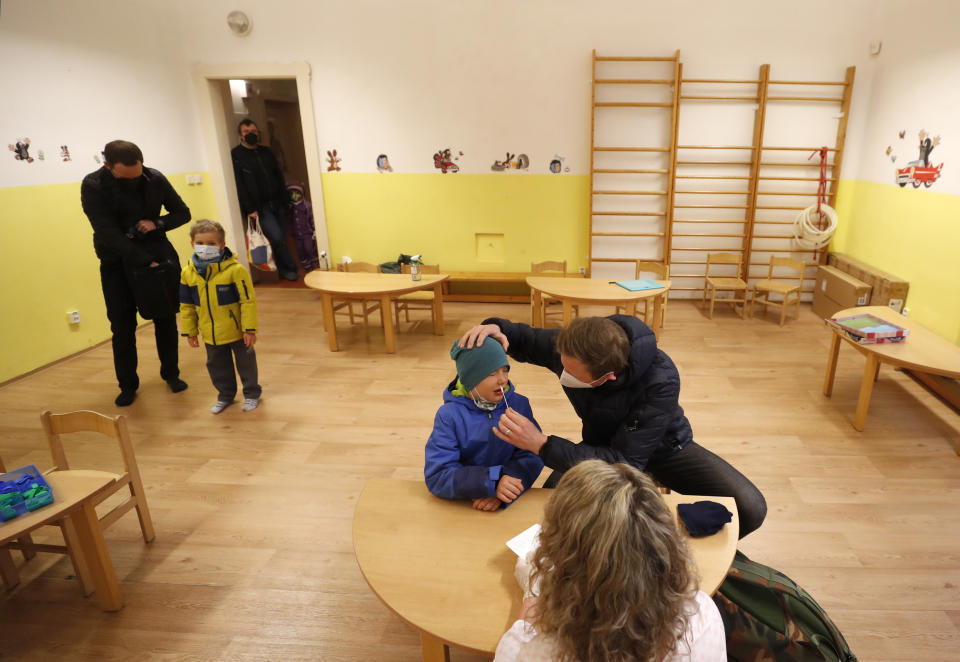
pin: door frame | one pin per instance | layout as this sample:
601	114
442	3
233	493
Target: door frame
218	140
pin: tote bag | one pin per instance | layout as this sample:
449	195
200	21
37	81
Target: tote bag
258	248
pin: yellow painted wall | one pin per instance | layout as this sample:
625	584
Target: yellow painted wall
49	268
913	234
373	217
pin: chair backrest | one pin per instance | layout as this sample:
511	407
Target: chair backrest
362	267
662	271
424	268
548	265
723	258
55	425
797	265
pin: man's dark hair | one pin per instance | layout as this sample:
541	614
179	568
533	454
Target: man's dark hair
122	151
246	121
597	342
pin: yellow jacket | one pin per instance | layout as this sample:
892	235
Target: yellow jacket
220	304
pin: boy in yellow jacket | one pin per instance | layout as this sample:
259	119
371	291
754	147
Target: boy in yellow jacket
217	301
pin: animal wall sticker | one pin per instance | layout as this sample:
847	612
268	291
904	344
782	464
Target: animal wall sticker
513	161
443	160
383	164
21	150
334	161
921	171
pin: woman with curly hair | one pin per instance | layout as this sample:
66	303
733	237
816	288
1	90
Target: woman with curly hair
612	580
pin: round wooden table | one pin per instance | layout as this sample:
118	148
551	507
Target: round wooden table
382	287
594	291
445	568
922	351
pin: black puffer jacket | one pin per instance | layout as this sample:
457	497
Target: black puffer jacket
632	419
259	178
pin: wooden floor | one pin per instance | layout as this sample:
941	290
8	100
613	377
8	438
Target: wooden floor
253	557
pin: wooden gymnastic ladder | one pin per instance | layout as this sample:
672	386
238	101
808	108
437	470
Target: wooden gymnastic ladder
633	139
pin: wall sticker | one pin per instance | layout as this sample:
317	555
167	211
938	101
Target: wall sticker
512	162
334	161
920	171
443	160
383	164
21	150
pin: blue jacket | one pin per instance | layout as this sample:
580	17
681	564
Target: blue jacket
464	459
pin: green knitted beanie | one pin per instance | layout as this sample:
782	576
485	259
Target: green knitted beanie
475	365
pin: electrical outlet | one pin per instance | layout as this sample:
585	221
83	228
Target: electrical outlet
906	312
74	316
582	271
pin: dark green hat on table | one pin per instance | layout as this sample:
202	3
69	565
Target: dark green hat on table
475	365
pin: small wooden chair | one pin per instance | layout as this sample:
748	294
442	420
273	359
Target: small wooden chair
420	300
548	302
55	425
661	272
784	289
367	306
715	283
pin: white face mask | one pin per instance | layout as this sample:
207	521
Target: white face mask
568	380
206	253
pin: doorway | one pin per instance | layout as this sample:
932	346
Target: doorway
277	98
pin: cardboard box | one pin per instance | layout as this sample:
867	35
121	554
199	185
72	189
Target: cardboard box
836	290
887	289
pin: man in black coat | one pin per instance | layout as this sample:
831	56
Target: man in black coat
262	191
625	391
123	201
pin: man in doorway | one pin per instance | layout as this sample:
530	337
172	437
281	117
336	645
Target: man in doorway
625	391
123	200
263	192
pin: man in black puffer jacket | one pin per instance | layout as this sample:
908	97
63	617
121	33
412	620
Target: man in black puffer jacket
625	391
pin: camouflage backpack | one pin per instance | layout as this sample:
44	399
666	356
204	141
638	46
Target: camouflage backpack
768	618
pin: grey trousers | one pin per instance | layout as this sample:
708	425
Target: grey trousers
220	359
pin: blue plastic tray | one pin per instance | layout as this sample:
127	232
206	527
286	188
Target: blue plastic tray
18	483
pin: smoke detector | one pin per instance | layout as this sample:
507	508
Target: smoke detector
239	23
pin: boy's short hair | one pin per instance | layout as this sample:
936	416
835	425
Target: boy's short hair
122	151
246	121
206	225
597	342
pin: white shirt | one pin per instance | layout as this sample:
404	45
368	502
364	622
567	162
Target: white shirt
704	639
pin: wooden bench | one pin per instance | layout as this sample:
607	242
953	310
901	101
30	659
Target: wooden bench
491	286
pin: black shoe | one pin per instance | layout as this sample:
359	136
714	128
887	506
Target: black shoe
176	384
126	398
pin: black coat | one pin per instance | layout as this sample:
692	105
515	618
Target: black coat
259	178
632	419
114	212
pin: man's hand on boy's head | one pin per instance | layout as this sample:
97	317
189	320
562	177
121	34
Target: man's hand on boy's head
509	488
476	335
249	339
488	503
518	430
193	341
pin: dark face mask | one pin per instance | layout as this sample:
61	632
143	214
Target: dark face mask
251	139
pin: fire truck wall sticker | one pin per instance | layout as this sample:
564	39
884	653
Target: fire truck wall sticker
920	171
443	160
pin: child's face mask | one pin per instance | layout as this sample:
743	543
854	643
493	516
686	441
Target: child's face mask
206	253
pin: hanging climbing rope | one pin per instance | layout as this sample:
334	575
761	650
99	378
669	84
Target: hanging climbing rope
808	228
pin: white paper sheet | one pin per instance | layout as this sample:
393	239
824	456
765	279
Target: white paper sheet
526	541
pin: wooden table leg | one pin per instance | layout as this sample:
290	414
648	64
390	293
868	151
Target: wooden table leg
93	549
831	365
8	570
434	650
567	312
329	323
536	307
438	309
388	331
866	390
657	315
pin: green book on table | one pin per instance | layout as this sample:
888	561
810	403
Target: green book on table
639	285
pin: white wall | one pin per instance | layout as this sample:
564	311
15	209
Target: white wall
85	73
917	87
406	78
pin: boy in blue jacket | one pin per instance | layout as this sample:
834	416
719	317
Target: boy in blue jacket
463	458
